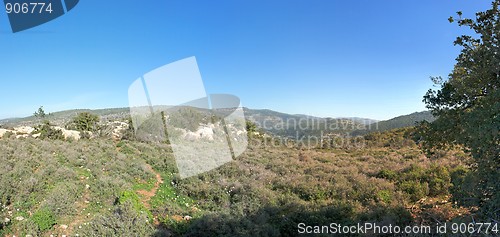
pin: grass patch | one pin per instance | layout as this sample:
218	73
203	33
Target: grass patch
167	194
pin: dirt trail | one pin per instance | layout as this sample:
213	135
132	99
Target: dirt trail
147	195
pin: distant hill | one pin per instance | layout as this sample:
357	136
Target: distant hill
62	117
298	126
276	123
398	122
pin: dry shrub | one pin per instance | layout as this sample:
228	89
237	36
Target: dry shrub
304	156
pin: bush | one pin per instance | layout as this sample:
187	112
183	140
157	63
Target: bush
85	122
187	118
387	174
385	196
463	182
44	219
415	189
48	132
28	227
123	221
133	198
439	180
251	127
129	134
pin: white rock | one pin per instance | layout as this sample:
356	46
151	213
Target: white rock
206	132
64	227
191	136
19	218
118	128
22	136
203	132
24	130
4	131
69	134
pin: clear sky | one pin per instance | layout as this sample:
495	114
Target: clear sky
361	58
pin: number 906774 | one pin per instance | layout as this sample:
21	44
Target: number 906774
28	8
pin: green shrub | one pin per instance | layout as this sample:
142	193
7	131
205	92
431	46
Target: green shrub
178	227
414	172
385	196
48	132
463	183
387	174
439	180
44	219
8	134
84	122
251	127
27	227
416	190
187	118
129	134
133	198
124	220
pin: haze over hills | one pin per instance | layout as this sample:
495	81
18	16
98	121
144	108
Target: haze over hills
277	123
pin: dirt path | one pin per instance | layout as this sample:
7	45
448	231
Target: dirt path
147	195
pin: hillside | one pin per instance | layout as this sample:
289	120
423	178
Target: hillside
273	122
398	122
62	117
405	121
101	187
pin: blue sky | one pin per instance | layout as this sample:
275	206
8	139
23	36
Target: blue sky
322	57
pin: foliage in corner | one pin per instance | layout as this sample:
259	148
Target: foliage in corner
468	105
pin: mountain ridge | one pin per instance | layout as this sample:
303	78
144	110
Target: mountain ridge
267	119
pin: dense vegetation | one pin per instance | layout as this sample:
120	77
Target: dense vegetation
99	187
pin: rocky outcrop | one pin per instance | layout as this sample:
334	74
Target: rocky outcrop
5	131
118	129
69	134
203	132
25	132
